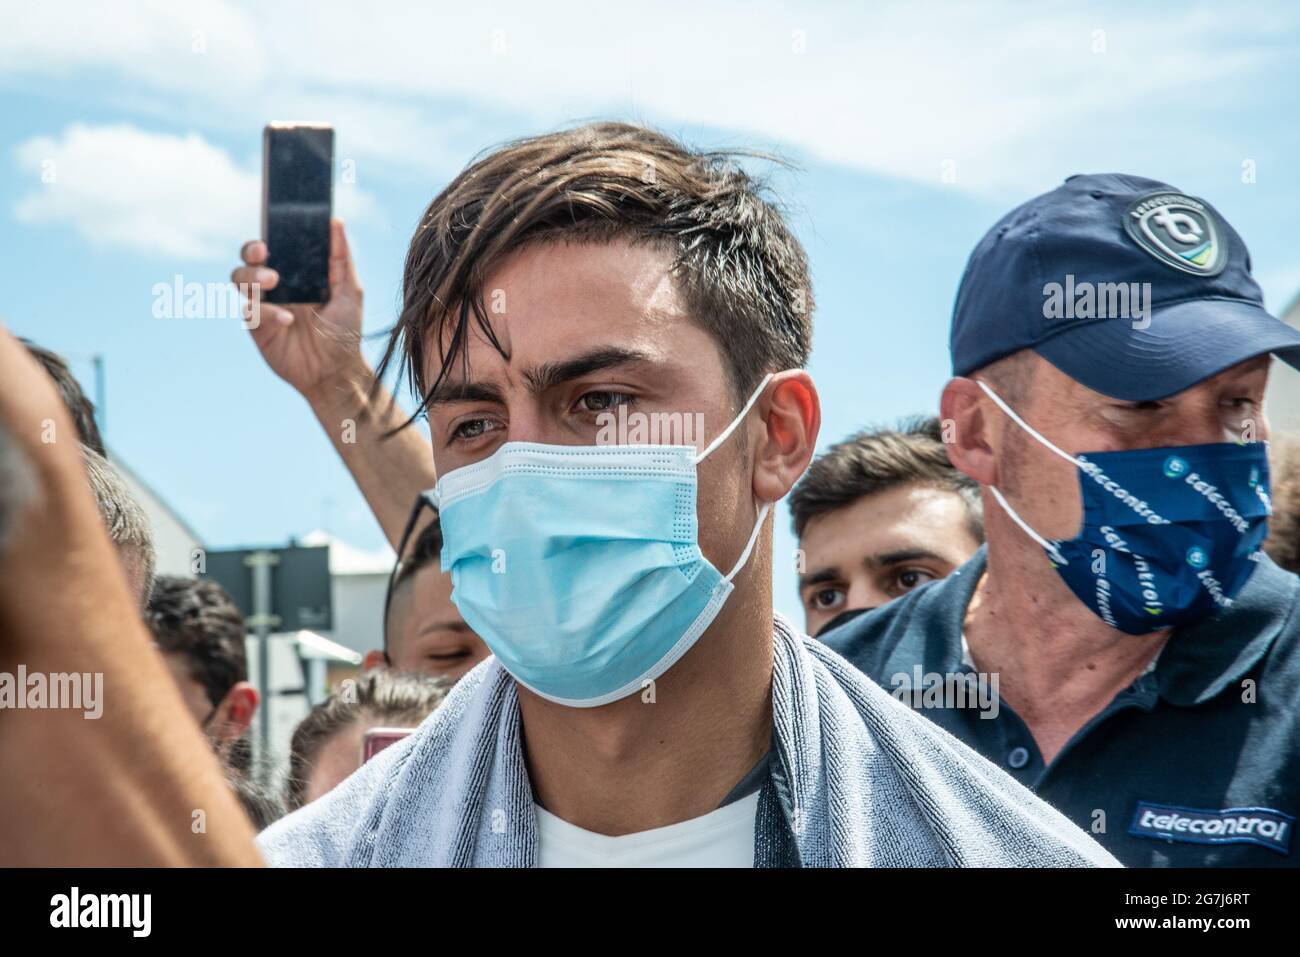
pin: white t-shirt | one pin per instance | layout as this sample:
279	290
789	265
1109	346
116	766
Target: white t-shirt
721	838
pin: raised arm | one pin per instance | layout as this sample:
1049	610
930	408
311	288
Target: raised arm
317	350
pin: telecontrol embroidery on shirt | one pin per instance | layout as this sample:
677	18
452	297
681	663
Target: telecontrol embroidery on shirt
1232	825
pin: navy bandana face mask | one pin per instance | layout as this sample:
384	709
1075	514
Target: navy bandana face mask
1169	536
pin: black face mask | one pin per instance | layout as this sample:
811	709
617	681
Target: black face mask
841	618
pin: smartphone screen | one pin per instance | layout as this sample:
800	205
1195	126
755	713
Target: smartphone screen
297	200
376	739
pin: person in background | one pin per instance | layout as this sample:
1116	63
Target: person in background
424	631
877	515
127	524
327	744
1146	651
79	407
200	632
1283	542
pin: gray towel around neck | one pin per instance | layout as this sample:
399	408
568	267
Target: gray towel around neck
858	780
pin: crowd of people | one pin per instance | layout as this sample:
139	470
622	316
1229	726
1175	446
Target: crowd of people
1019	602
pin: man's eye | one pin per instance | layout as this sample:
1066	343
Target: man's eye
910	578
601	401
825	599
472	429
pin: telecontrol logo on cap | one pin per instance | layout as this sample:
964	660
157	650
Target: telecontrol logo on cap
1179	231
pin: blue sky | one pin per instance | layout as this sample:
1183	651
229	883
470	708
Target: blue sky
131	136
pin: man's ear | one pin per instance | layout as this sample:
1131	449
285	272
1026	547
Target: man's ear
792	416
964	424
374	659
239	707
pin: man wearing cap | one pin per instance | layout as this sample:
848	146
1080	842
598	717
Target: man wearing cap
1111	352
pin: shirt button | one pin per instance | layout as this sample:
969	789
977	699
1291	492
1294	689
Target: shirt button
1018	758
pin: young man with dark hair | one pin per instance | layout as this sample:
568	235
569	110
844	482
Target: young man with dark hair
877	515
423	630
644	704
200	632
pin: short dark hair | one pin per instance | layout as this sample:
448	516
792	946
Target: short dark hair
875	460
81	408
382	696
742	271
195	617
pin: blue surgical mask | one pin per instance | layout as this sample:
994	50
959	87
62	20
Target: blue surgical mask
580	566
1169	535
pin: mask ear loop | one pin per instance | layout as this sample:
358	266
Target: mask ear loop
1025	425
1049	547
753	539
767	506
736	421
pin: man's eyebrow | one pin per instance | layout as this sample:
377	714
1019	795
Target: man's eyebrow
550	374
903	555
819	576
466	392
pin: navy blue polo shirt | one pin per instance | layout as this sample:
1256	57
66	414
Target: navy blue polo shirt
1197	763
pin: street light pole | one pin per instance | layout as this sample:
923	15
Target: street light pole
263	622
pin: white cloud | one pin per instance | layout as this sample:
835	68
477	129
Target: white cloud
178	196
1016	95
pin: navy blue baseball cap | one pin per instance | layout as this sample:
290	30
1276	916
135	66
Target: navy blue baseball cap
1127	285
